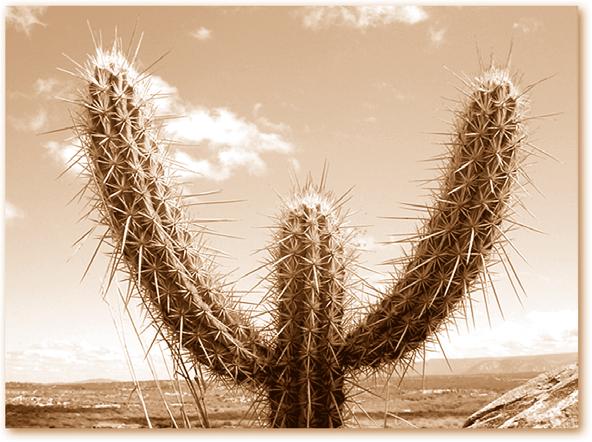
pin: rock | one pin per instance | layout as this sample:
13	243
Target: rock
550	400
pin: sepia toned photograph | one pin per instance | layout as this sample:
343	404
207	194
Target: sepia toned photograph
253	217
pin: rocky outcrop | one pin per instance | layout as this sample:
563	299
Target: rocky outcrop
548	401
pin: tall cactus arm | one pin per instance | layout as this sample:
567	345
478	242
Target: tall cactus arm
453	248
150	233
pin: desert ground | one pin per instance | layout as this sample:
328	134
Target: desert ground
438	401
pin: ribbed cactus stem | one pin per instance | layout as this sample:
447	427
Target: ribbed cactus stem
302	369
310	259
453	247
149	230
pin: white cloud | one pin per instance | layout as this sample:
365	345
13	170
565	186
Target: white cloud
38	121
49	88
275	127
232	142
266	123
437	36
45	86
24	18
202	34
257	109
227	162
165	97
43	89
34	123
227	141
527	25
70	361
361	17
536	332
11	211
202	168
294	164
221	127
66	154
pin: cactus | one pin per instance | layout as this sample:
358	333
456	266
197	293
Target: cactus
301	368
309	259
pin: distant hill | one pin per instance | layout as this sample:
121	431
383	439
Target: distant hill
510	364
97	381
439	367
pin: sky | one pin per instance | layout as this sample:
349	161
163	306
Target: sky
262	93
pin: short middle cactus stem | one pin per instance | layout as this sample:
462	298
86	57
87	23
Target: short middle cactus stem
310	257
303	368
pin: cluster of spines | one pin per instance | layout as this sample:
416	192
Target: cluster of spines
303	369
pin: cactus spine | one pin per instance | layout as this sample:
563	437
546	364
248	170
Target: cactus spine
301	369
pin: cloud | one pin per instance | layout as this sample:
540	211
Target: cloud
202	34
25	18
361	17
66	153
437	36
45	86
537	332
266	123
46	89
294	164
12	212
275	127
227	162
34	123
227	142
49	88
203	168
70	361
221	127
527	25
257	109
231	142
165	97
